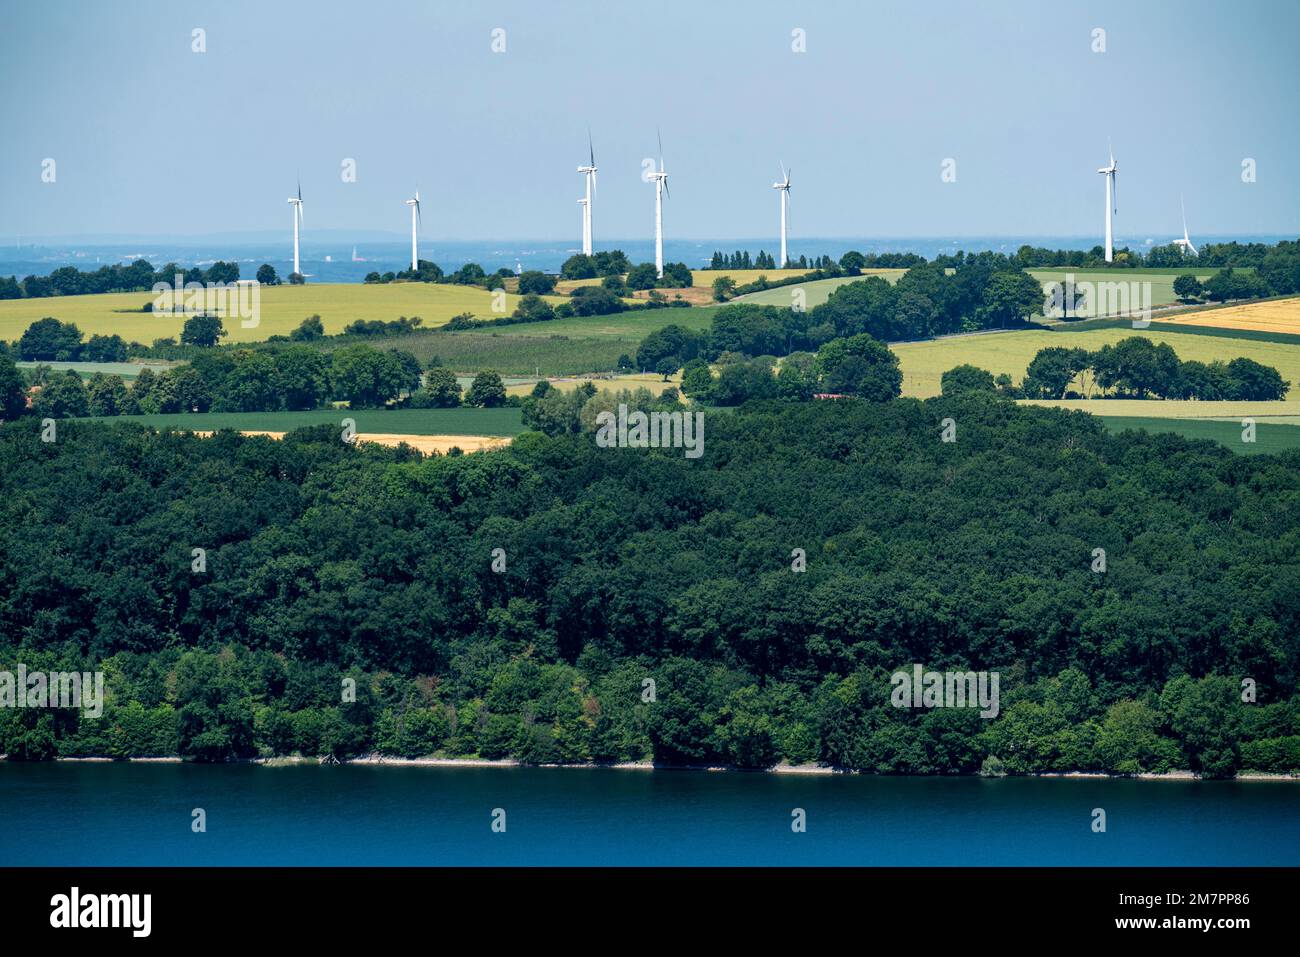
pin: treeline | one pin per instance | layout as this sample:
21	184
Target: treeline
1137	368
470	274
607	262
326	562
1262	257
236	703
139	275
51	340
741	259
1229	284
926	301
849	264
294	378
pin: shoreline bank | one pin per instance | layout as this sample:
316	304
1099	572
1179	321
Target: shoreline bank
792	769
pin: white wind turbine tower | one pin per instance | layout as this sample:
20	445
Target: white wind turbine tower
784	187
661	189
296	202
414	203
1111	203
1186	241
589	173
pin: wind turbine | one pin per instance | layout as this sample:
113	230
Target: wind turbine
414	203
784	187
1186	241
296	202
661	189
1111	202
589	172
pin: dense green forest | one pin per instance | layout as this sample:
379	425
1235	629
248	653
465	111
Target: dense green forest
326	561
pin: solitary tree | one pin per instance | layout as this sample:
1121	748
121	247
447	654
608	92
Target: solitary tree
966	378
443	388
536	282
487	390
309	329
202	331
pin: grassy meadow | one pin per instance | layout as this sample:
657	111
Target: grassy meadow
1286	412
923	363
126	370
1268	438
1162	283
815	292
282	309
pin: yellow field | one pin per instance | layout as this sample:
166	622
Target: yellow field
282	309
923	363
1286	412
705	277
425	443
654	383
1278	315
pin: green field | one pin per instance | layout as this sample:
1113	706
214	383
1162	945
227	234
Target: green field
127	370
504	422
282	309
1286	412
509	354
1268	438
815	292
633	326
558	347
924	362
1162	283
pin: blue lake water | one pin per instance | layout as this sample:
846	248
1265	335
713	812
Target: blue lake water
140	814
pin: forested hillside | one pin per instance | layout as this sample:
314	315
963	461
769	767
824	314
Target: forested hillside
326	561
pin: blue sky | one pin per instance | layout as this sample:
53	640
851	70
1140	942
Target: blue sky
151	138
